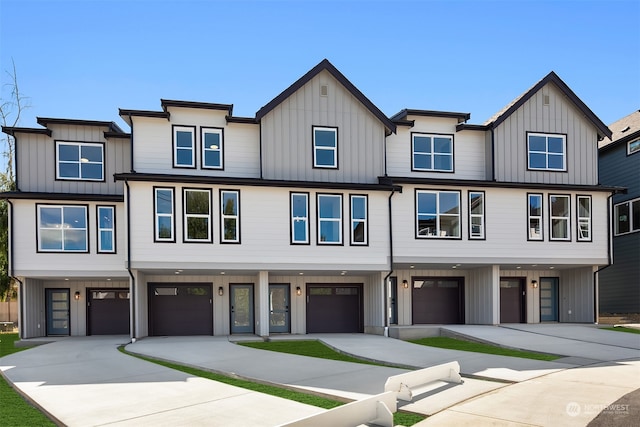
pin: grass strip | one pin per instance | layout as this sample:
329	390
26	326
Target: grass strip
399	418
623	329
456	344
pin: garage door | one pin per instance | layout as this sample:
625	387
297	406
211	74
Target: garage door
184	309
438	300
334	308
108	311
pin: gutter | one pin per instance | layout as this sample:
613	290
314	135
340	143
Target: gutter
596	285
133	279
21	286
386	278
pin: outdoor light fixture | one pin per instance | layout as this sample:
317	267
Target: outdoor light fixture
298	291
220	291
76	296
405	284
534	283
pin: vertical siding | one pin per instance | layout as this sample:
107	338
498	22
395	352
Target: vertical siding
577	295
286	133
34	316
619	284
560	116
480	296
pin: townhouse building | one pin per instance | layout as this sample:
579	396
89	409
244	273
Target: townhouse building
318	214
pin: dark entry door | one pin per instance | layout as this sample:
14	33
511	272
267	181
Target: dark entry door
241	301
108	311
549	299
57	307
512	300
184	309
438	300
279	316
334	308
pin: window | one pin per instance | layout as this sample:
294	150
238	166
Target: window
437	214
80	160
230	216
62	228
359	226
325	147
584	218
476	214
559	221
627	217
197	215
163	206
633	147
106	229
432	152
329	219
299	218
212	141
534	213
546	152
183	147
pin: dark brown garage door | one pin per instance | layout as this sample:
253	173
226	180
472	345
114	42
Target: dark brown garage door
334	308
184	309
438	300
108	311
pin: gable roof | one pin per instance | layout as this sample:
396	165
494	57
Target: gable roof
322	66
552	77
623	130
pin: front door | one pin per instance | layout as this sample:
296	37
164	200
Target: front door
241	301
279	315
512	300
57	301
548	299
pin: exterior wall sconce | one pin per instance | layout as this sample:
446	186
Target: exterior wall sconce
405	284
220	291
534	283
76	296
298	291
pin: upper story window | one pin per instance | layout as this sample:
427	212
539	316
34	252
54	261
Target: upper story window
627	217
431	152
62	228
437	214
230	216
359	222
106	229
546	152
197	215
299	218
633	147
212	145
329	219
184	155
584	218
325	147
534	215
476	214
80	160
559	206
164	229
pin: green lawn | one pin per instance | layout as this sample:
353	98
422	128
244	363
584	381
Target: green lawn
14	410
623	329
456	344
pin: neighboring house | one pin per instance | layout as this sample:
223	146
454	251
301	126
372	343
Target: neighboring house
620	166
319	214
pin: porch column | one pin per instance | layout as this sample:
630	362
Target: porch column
495	294
262	305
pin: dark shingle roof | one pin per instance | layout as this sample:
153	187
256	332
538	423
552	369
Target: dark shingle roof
622	128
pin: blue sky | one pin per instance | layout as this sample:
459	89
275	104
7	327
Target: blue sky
86	59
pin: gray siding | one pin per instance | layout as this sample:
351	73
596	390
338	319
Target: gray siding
479	296
561	117
33	317
616	168
36	161
286	135
619	284
576	301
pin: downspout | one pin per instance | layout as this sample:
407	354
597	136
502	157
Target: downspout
21	284
596	286
386	278
133	279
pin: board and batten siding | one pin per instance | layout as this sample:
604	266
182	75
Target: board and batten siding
153	144
286	134
36	161
480	296
469	150
576	295
560	116
33	318
619	284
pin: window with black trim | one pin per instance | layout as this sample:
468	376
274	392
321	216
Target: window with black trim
546	152
627	217
476	215
431	152
212	148
163	204
559	208
438	214
325	147
230	216
299	218
633	147
583	212
62	228
329	219
106	219
534	216
359	221
184	154
197	215
79	161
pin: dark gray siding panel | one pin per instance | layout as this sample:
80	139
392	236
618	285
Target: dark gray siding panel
616	168
576	303
620	283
